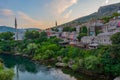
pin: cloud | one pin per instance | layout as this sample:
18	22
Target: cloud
59	6
30	22
6	12
67	15
107	1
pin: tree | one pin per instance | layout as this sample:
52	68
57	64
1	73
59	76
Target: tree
83	29
81	35
31	48
116	14
69	29
116	38
92	62
6	74
32	34
43	36
6	36
106	19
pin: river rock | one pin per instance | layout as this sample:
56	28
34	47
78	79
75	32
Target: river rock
59	59
117	78
70	63
60	64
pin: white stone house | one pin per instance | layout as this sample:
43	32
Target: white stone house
88	39
20	35
104	38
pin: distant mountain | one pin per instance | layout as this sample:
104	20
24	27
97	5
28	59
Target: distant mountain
32	29
6	28
11	29
102	11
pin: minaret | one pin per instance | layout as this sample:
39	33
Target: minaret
56	24
16	36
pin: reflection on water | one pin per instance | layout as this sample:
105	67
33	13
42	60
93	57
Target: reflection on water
27	70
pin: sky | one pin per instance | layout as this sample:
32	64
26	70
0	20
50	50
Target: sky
44	13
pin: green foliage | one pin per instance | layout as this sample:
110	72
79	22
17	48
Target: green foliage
104	59
65	59
31	48
75	67
83	29
116	38
91	62
55	29
43	36
6	36
83	32
1	66
32	34
81	35
6	74
106	19
69	29
115	15
7	46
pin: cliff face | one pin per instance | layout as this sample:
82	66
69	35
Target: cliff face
108	10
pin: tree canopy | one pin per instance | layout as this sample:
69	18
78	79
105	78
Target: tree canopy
6	36
116	38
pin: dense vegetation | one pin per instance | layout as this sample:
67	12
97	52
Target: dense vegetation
83	32
103	60
106	19
6	74
68	29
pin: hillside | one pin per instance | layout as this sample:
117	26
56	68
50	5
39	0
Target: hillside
6	28
102	11
11	29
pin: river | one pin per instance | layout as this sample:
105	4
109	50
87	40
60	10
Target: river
26	69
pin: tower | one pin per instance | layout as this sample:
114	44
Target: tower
56	24
16	30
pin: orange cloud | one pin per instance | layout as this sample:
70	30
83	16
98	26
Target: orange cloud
59	6
30	22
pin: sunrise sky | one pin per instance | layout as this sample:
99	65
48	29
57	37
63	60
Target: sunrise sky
43	13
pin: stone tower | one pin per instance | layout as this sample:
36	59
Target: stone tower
16	30
56	24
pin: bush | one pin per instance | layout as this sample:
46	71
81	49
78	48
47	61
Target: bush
6	74
91	62
1	66
75	67
65	59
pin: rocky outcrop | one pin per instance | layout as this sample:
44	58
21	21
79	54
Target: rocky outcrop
59	64
108	10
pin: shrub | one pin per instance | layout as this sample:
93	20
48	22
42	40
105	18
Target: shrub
65	59
75	67
6	74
